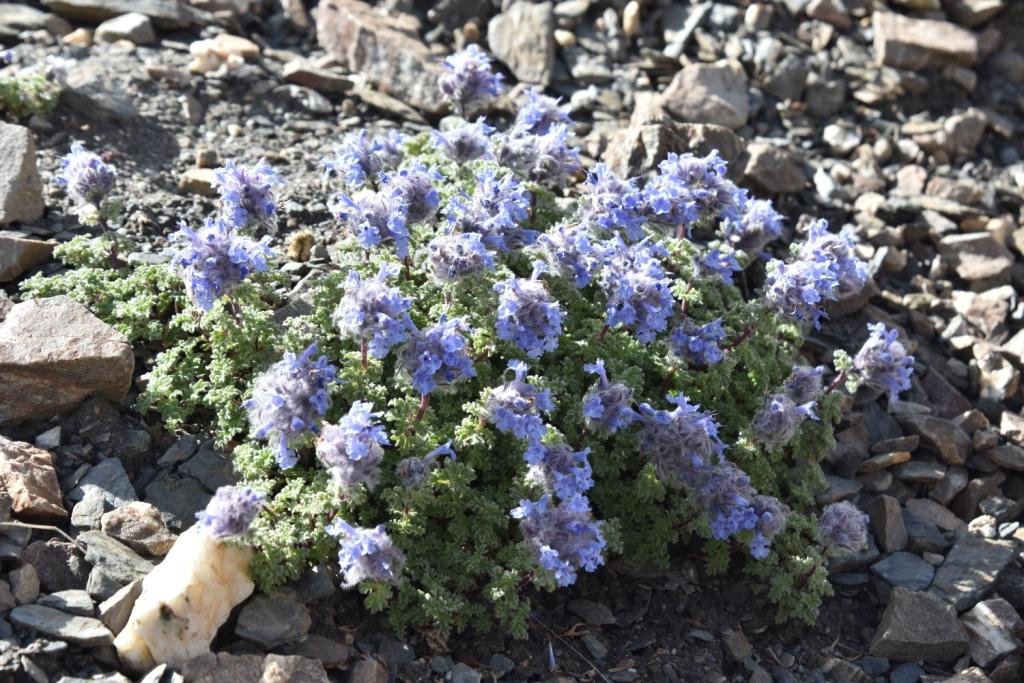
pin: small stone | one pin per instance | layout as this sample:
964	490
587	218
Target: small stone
115	610
832	12
918	626
19	255
284	668
201	181
180	450
993	627
880	462
87	512
140	526
905	570
274	619
978	257
887	523
1008	456
24	584
965	505
133	26
935	513
315	584
736	644
970	569
58	564
522	37
942	436
82	631
49	439
842	670
773	170
631	19
907	43
111	479
368	670
708	93
112	558
331	652
21	192
921	472
7	601
953	483
211	468
321	80
29	478
594	613
77	602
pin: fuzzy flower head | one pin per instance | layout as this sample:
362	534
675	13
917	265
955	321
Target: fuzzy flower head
719	264
437	356
231	511
844	528
757	225
495	211
375	218
465	142
564	537
681	442
779	418
638	290
373	314
560	470
413	188
805	384
772	515
727	497
690	189
800	289
883	362
515	406
455	256
528	315
366	554
851	274
352	450
611	205
414	471
538	113
608	406
359	159
698	344
547	159
468	81
289	400
248	194
215	259
572	252
86	176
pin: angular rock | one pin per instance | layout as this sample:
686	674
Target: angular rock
773	170
274	619
523	38
384	49
965	505
53	354
994	629
133	26
905	570
978	257
935	513
708	93
918	626
887	523
200	181
15	17
970	570
24	584
640	148
179	497
21	193
140	526
942	436
331	652
116	560
972	13
58	564
1008	456
184	601
115	610
82	631
28	477
223	668
109	477
321	80
165	14
211	468
292	668
87	512
19	254
71	601
907	43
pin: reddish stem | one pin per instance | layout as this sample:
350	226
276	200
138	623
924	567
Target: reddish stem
422	410
747	334
363	355
604	332
840	378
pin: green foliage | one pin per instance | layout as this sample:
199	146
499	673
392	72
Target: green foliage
26	94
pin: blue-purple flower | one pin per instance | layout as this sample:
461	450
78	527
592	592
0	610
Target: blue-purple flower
528	315
373	314
560	470
720	264
758	224
366	554
85	175
468	81
538	113
607	406
572	252
359	159
231	511
726	496
516	406
248	194
565	538
438	356
779	418
215	259
883	363
352	450
547	158
682	443
289	399
844	528
638	290
495	211
466	142
800	289
772	515
455	256
690	189
414	471
804	384
375	218
851	273
698	344
611	205
413	189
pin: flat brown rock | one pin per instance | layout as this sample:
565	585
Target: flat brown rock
28	477
53	354
18	254
907	43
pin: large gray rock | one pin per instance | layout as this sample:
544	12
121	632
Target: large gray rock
59	565
773	170
117	562
83	631
970	570
907	43
942	436
917	626
905	570
178	497
274	619
994	629
21	193
18	253
15	17
109	477
70	601
709	93
227	668
133	26
523	37
53	354
166	14
384	48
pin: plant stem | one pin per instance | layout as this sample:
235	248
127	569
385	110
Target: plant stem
422	410
363	353
604	332
747	334
840	378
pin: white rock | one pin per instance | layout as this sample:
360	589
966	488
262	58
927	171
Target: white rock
184	601
132	26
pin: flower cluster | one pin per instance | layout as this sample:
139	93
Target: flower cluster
360	159
248	194
780	416
366	554
412	188
495	211
352	450
438	356
455	256
231	511
289	400
541	158
412	472
883	363
560	470
843	528
375	218
216	259
607	406
698	344
610	205
465	142
564	536
757	226
638	289
86	176
689	189
468	81
528	315
800	289
837	248
572	252
373	314
516	405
